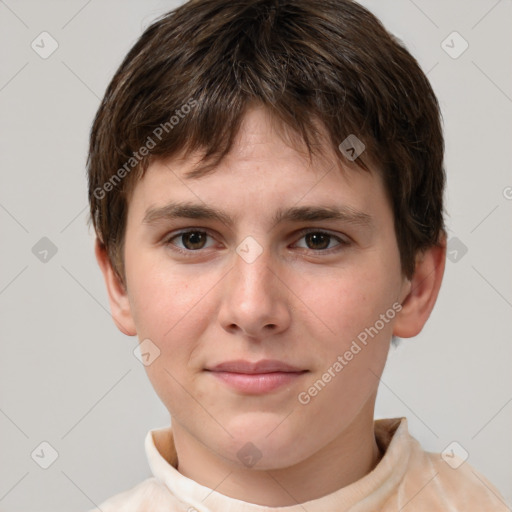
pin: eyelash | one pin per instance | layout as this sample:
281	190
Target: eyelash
189	252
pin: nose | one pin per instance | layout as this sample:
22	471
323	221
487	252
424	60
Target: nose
255	300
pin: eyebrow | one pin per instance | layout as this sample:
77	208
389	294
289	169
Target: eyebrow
189	210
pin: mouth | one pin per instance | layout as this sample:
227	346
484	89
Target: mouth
258	377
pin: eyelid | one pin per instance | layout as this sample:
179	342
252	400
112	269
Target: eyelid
340	236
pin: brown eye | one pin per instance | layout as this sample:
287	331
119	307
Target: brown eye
193	240
317	240
321	241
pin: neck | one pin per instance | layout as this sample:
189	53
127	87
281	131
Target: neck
348	458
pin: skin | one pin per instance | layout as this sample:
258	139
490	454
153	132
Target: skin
302	301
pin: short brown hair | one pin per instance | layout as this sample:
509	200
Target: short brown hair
330	61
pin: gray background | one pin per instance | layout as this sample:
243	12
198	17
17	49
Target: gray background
69	378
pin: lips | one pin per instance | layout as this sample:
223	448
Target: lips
259	367
256	378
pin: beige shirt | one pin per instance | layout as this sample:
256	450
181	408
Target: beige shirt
406	478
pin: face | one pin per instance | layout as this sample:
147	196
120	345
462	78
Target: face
275	276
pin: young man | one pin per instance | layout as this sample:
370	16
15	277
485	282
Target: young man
266	184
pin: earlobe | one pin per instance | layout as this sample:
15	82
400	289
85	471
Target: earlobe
117	295
423	290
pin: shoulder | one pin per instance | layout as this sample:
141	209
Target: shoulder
448	481
151	494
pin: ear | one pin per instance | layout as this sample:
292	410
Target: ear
117	295
422	291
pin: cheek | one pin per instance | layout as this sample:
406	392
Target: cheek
170	307
167	302
343	304
354	341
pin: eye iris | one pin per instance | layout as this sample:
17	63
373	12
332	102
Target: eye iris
190	240
317	237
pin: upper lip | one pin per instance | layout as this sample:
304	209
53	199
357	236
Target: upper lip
263	366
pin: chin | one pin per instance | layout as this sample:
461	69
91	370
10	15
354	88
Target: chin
263	445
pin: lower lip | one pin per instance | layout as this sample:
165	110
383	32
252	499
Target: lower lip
258	382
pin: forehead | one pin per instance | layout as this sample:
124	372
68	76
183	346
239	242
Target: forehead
263	136
265	164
